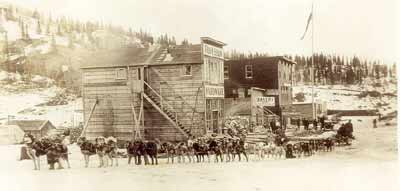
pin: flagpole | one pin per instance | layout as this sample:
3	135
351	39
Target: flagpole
312	60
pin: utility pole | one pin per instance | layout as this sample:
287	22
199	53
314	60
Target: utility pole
312	61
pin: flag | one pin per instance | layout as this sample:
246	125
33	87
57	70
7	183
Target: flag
308	24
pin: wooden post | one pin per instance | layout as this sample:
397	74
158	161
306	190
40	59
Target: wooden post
90	115
161	99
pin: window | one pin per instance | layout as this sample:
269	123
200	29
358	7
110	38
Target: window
226	72
187	70
249	71
120	74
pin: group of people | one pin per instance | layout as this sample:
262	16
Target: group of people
345	132
312	123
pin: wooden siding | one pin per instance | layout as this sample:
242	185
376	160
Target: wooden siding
265	76
113	115
184	93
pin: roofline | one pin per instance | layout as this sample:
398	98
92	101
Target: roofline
141	64
213	40
266	57
44	123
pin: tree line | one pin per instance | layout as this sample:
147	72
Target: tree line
329	68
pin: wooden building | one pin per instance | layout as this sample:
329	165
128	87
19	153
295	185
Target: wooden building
169	93
306	109
37	128
272	74
255	107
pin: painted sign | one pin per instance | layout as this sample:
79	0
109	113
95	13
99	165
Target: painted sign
265	101
214	91
213	51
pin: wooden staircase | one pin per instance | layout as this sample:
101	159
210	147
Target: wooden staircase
165	109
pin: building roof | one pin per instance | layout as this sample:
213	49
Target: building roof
268	60
149	55
31	125
213	41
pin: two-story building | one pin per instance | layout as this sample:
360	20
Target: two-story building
169	93
274	75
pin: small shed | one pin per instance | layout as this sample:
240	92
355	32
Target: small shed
37	128
11	134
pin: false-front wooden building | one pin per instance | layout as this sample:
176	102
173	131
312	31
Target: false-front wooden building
169	93
272	75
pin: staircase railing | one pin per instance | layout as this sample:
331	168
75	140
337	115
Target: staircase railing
267	111
164	105
173	89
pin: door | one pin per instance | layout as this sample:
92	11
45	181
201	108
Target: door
137	77
215	119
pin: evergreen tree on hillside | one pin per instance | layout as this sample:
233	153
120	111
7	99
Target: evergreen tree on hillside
185	42
53	44
27	32
36	14
59	33
22	30
48	28
38	28
10	13
71	41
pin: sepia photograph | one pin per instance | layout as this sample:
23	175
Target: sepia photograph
202	95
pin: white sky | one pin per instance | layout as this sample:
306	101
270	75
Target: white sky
368	28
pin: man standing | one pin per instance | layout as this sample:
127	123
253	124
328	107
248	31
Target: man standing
349	129
374	123
298	124
305	123
315	124
322	122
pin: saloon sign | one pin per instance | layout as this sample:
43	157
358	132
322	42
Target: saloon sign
265	101
214	91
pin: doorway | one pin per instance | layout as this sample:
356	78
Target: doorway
215	119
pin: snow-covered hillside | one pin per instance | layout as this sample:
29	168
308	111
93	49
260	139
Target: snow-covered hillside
38	99
372	94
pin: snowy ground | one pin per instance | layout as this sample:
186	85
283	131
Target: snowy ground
369	164
22	101
341	97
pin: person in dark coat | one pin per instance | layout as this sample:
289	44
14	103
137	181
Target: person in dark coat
322	122
298	123
63	151
349	129
273	126
315	124
374	123
53	155
305	123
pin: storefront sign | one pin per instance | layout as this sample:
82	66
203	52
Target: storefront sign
265	101
214	92
213	51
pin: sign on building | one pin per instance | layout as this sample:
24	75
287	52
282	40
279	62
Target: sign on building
213	51
265	101
214	91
